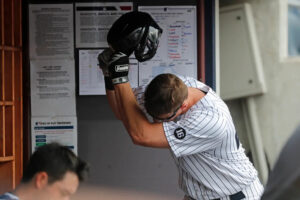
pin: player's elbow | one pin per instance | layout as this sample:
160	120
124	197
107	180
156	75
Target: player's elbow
139	139
118	116
140	142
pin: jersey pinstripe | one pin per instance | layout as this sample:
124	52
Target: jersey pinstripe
210	159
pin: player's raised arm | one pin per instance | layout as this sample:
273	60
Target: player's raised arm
134	32
141	131
103	60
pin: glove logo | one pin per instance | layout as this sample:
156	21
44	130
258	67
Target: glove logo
179	133
121	68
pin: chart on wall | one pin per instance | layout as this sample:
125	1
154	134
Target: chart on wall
51	31
91	79
54	129
52	75
93	21
177	51
52	88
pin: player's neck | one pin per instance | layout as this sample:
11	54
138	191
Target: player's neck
194	95
25	191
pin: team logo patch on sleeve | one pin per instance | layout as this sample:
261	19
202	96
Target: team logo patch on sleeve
179	133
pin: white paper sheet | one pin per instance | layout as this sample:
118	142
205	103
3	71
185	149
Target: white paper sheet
51	31
91	80
177	52
93	21
62	130
52	88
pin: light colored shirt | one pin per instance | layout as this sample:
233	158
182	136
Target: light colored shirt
8	196
210	159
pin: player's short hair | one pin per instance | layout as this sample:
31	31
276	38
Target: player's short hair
56	160
164	94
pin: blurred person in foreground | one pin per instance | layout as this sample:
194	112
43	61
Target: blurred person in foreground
53	173
284	179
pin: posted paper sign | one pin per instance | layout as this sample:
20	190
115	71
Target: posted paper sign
62	130
91	79
52	88
177	51
51	31
93	21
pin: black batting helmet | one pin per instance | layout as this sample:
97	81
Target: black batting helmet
135	32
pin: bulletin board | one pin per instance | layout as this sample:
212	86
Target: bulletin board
114	160
65	38
177	51
183	53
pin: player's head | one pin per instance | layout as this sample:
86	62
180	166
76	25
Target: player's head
164	96
135	32
54	172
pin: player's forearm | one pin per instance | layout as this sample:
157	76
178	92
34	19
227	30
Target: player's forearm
112	100
133	118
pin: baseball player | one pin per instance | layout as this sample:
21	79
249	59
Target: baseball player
188	117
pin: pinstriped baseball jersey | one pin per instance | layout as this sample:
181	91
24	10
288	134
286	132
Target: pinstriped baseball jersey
204	144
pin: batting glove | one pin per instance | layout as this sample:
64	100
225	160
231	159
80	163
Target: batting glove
118	68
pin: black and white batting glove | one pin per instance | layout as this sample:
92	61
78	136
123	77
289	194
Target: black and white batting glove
119	68
103	59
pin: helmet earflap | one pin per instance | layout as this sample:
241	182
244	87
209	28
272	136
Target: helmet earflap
147	47
141	46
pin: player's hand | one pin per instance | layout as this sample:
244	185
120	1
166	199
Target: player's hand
119	67
104	59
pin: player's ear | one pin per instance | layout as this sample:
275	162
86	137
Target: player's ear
41	180
184	105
